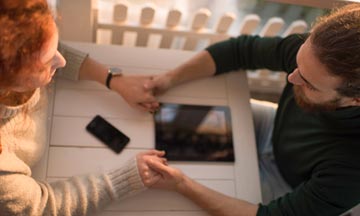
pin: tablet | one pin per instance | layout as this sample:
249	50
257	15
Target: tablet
194	132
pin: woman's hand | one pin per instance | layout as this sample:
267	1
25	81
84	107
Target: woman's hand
149	176
132	89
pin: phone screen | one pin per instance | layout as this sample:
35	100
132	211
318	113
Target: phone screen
108	134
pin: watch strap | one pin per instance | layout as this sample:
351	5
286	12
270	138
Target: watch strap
108	79
111	73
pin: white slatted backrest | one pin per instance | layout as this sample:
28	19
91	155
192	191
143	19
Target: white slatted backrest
225	22
172	23
249	24
119	18
146	21
272	27
198	25
223	26
120	13
298	26
197	32
173	18
193	35
147	15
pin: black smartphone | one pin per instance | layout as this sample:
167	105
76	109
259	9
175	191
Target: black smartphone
108	134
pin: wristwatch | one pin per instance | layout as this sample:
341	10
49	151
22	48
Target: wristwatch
112	71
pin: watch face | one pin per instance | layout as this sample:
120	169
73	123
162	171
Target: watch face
115	71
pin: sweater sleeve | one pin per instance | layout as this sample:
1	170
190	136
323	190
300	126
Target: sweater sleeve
254	52
74	58
332	189
81	195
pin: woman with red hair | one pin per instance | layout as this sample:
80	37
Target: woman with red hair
29	57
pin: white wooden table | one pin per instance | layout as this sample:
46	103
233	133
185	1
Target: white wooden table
73	151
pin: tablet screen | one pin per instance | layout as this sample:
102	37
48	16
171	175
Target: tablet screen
194	132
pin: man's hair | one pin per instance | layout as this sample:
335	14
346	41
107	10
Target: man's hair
24	28
336	41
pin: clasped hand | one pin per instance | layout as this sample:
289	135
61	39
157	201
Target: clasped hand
140	91
155	172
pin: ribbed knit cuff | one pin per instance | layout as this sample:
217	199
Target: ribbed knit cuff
126	180
74	58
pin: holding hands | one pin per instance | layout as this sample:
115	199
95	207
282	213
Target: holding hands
169	178
159	84
148	176
140	91
155	172
200	66
132	89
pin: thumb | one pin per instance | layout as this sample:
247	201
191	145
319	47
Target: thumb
148	182
149	85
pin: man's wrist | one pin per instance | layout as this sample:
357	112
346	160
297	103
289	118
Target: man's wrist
173	78
183	185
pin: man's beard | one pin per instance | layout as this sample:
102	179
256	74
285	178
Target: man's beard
309	106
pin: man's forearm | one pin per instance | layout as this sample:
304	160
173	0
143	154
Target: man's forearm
214	202
201	65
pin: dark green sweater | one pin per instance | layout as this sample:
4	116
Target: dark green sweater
318	154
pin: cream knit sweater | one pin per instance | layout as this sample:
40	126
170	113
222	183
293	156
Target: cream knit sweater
22	136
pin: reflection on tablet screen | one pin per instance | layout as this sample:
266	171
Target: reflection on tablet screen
194	132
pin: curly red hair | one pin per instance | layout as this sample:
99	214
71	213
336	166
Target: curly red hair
25	25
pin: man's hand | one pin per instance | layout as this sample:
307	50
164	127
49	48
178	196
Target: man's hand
159	84
149	176
132	89
169	178
200	66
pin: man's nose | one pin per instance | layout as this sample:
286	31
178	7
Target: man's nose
295	78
